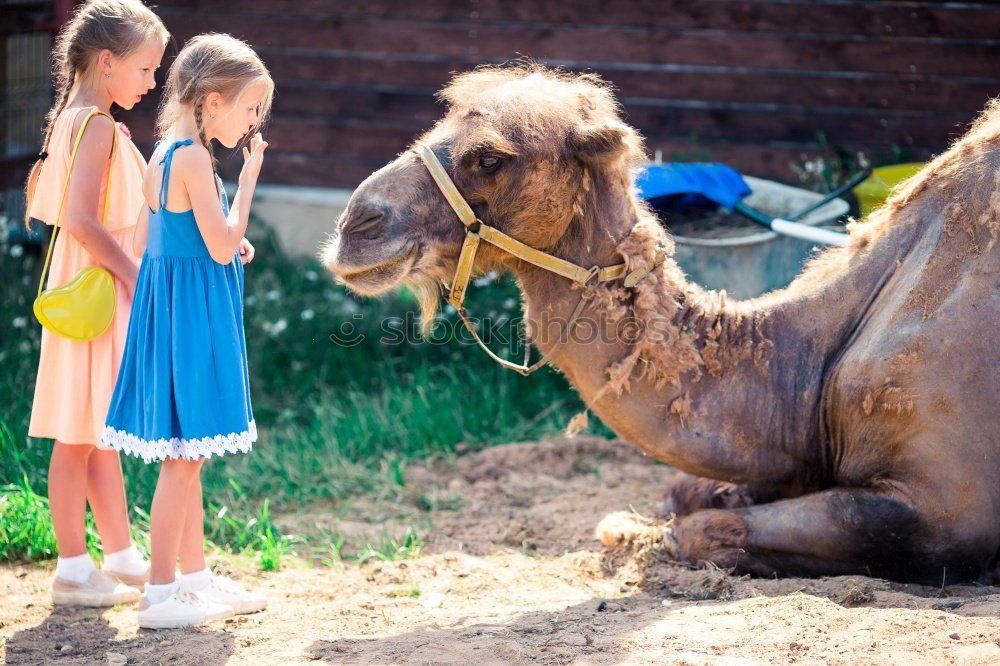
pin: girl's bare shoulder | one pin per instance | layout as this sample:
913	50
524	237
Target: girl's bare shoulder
100	130
188	165
193	161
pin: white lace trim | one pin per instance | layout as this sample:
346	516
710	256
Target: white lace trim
194	448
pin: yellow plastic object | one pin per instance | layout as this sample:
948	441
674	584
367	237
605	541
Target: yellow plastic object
81	309
873	191
84	307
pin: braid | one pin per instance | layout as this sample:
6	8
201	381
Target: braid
204	141
64	84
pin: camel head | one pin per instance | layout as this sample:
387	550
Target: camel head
532	150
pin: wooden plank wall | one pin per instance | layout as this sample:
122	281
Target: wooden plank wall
751	82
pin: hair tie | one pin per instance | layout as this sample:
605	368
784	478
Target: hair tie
42	155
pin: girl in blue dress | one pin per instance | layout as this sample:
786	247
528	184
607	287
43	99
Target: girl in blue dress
183	390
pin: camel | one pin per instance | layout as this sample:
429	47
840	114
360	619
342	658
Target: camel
847	424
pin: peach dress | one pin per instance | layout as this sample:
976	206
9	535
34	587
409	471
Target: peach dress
76	378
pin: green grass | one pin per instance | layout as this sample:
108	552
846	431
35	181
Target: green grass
335	421
390	549
25	524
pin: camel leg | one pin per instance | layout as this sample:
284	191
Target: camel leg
837	531
688	493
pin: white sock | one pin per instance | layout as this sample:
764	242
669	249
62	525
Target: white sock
196	580
127	561
157	593
77	568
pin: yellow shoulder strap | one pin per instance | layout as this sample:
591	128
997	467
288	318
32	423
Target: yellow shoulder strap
69	172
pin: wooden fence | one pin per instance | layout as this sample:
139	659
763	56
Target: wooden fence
751	82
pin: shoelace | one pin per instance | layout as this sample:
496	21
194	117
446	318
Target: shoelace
189	598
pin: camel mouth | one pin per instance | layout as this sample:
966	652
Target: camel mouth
379	278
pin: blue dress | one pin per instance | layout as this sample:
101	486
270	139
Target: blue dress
183	389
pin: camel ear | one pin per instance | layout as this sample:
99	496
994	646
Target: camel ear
597	143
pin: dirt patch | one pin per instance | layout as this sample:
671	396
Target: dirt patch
512	573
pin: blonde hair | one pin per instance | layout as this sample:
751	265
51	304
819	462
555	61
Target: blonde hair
120	26
212	62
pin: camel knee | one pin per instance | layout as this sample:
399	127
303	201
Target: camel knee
688	493
962	555
713	536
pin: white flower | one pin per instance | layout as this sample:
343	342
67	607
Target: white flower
311	275
16	250
272	295
279	326
25	346
308	314
20	322
251	299
509	303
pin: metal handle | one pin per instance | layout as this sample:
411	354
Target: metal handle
806	232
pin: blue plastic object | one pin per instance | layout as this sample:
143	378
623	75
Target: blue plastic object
676	185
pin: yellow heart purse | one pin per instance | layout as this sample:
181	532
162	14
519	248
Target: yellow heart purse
83	308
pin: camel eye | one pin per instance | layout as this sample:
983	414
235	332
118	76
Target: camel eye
489	163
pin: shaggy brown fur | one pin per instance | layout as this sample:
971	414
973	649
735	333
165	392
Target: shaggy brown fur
688	494
856	408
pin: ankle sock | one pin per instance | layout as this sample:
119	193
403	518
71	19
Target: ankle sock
196	580
76	569
157	593
127	561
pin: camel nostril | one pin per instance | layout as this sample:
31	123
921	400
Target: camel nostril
366	222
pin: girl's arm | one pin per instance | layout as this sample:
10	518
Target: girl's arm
82	217
141	232
222	235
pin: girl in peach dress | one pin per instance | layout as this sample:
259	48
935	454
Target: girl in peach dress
105	55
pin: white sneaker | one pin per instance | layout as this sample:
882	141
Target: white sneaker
180	609
99	590
132	580
228	592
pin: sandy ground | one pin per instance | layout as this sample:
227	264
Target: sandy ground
512	573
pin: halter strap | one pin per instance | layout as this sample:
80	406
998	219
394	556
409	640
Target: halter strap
166	161
476	230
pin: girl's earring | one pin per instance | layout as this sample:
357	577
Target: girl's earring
107	75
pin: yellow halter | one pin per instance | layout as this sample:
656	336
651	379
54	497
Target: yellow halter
477	230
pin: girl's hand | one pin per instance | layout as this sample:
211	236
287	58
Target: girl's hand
246	251
253	158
